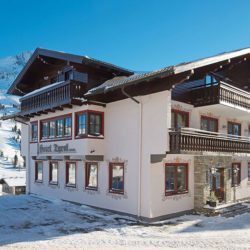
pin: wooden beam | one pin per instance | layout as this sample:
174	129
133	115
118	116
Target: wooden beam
67	105
50	110
59	108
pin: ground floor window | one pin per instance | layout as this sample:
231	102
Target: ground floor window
176	178
53	173
236	174
91	175
71	174
116	178
248	171
39	171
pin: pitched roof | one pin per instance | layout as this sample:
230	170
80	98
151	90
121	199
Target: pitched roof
119	82
67	57
15	181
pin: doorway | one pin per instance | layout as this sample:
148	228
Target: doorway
218	184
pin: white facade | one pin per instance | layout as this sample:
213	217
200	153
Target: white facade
132	134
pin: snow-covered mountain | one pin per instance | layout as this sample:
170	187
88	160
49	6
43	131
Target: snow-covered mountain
9	68
10	140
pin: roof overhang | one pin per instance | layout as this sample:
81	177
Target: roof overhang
64	57
171	71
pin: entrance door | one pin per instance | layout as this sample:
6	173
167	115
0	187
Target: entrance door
218	184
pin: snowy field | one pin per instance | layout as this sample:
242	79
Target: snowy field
30	222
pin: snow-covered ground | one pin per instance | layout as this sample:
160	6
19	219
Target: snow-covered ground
9	69
31	222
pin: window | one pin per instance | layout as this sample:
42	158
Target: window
234	128
94	124
67	131
68	75
39	171
45	132
82	124
34	131
116	178
53	172
71	174
52	129
59	128
56	128
210	80
248	171
236	174
179	119
89	123
91	175
176	178
209	124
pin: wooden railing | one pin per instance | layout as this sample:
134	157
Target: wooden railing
220	93
188	139
51	97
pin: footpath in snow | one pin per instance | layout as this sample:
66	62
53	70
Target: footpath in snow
31	222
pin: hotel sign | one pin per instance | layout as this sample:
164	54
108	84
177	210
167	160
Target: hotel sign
55	149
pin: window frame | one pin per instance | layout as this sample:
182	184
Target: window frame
50	172
177	111
56	137
234	123
111	190
87	134
87	165
176	165
248	171
67	174
209	118
36	172
239	174
31	132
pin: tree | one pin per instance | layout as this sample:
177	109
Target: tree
15	161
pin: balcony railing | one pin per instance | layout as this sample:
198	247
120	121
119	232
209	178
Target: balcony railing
188	139
220	93
52	97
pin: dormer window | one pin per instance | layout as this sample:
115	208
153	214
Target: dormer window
68	75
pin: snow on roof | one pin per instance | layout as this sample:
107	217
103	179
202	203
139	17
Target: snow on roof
41	89
15	181
170	70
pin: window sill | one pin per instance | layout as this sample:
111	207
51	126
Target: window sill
38	181
175	193
89	137
70	186
237	185
53	183
91	188
116	192
33	141
56	139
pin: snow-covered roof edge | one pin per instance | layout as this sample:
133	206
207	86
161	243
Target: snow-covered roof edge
119	82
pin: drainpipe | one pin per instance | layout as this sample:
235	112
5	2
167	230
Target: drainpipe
139	149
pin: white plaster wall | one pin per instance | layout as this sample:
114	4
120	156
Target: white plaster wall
156	120
121	143
160	203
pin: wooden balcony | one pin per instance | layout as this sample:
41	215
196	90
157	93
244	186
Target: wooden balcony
52	97
220	92
188	139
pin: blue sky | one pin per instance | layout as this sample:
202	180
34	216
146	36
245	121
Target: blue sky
140	35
